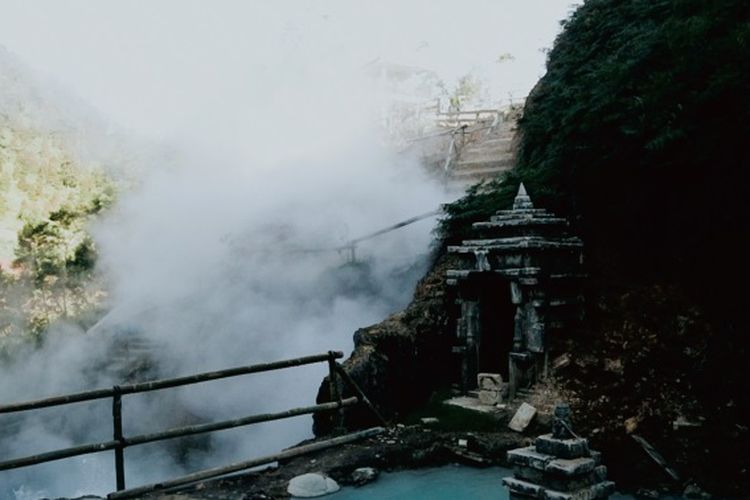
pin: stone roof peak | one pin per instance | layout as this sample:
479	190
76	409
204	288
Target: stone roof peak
522	201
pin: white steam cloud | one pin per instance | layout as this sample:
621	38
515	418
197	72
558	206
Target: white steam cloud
215	257
220	261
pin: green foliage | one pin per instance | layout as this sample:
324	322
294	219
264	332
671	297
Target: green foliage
638	129
637	133
453	418
480	202
49	198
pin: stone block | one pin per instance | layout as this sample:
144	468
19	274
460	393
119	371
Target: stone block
530	474
562	448
490	397
599	490
571	467
557	482
529	457
490	381
524	488
576	483
522	418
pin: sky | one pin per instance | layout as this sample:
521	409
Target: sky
166	68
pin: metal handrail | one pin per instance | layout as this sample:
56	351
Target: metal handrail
120	442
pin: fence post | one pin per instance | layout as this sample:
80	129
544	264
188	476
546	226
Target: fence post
117	435
333	385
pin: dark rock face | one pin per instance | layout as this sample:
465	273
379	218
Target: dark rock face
401	360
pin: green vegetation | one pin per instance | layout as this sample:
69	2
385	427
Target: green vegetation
453	418
638	134
46	255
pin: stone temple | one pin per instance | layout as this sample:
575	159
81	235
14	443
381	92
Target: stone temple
517	290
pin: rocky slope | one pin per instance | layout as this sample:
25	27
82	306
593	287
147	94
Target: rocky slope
400	361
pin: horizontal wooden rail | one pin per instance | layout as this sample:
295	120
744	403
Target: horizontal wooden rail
238	422
171	434
121	442
50	456
165	383
239	466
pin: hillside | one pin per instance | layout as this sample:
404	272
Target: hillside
637	134
51	186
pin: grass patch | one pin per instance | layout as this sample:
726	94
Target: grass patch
452	418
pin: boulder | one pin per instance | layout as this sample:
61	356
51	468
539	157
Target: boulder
313	484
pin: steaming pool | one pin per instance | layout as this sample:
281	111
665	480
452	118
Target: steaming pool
442	483
449	482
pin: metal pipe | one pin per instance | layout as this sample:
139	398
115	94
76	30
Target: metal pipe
358	391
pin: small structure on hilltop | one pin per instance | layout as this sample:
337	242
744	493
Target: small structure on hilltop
558	466
518	285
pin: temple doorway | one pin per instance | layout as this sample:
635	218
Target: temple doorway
497	317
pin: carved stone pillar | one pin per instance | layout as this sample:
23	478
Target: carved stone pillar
468	332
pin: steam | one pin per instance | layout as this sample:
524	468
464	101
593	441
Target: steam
226	260
223	253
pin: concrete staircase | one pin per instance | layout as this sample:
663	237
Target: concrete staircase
486	153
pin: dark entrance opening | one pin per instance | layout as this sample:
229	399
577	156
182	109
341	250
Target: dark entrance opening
497	317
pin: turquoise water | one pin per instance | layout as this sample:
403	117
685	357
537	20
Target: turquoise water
442	483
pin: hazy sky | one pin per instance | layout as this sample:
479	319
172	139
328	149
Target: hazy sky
161	66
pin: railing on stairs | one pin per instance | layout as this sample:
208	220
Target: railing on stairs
120	442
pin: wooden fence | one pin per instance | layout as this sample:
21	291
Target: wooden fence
119	442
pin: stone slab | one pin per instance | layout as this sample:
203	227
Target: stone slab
490	397
560	483
571	467
473	404
599	490
522	418
520	487
562	448
529	457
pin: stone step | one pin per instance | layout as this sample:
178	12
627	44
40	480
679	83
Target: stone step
484	156
561	483
469	179
523	488
497	163
527	489
530	457
499	139
476	175
493	143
